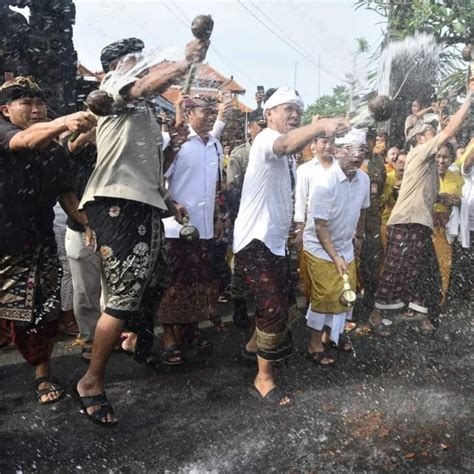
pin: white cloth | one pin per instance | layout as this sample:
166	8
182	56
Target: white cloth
336	322
266	207
86	273
192	182
339	201
452	227
354	136
306	176
283	95
468	195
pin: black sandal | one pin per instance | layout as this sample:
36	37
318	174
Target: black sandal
86	350
273	397
201	343
54	387
248	355
318	357
98	415
169	353
344	345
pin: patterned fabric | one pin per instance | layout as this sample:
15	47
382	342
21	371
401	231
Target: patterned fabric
186	300
411	273
129	238
268	278
29	287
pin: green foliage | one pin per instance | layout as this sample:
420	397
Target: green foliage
448	20
332	105
443	18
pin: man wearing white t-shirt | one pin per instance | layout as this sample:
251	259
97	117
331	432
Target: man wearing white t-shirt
262	226
335	207
306	175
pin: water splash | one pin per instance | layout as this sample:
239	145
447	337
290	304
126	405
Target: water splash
415	55
146	60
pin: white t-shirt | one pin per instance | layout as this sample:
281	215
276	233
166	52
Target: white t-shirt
266	206
311	176
192	182
339	201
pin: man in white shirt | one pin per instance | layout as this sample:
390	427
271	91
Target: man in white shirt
261	230
306	175
336	205
195	181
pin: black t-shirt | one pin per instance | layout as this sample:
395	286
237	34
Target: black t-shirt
30	182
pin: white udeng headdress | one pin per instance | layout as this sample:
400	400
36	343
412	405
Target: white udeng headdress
354	136
283	95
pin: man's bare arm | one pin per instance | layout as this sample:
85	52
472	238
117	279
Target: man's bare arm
298	138
158	79
160	76
40	135
458	118
81	141
70	204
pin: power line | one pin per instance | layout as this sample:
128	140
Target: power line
181	16
300	51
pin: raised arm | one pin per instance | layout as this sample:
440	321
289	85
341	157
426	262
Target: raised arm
297	139
160	76
458	118
40	135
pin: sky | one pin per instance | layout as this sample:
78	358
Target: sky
242	45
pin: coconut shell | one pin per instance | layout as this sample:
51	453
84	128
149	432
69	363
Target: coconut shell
202	27
381	107
100	103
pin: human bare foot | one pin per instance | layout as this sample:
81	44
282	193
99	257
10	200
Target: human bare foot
129	341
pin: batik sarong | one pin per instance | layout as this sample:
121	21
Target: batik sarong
30	301
267	275
411	272
129	237
191	273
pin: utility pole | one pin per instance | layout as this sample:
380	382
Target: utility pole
294	80
319	76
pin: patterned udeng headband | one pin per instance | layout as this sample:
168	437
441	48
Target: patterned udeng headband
19	87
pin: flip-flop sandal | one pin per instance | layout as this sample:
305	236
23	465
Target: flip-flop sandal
201	343
94	400
318	358
169	353
344	345
248	355
273	397
217	321
86	350
54	387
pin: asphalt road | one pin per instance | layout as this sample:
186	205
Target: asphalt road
398	404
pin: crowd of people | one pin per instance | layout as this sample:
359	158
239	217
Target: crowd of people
158	216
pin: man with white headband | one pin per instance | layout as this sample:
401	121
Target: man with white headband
262	226
336	207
